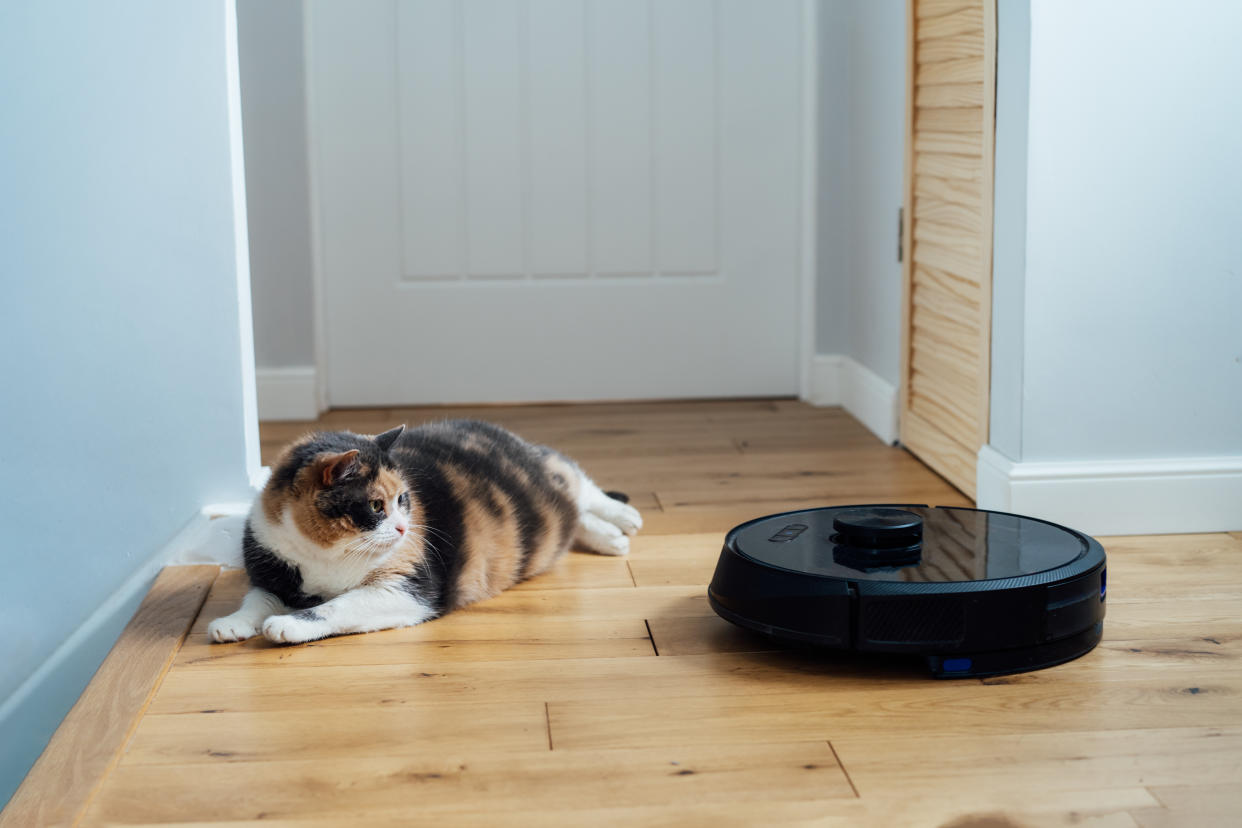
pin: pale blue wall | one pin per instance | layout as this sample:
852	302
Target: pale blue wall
862	156
277	180
834	217
121	347
1013	61
1133	249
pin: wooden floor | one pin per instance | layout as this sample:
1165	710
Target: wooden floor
606	692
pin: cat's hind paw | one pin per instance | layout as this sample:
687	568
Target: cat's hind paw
291	629
231	628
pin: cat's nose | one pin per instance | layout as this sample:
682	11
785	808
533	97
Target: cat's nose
400	528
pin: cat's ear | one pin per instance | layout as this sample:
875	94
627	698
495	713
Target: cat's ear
333	468
389	437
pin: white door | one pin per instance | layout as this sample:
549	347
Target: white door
557	199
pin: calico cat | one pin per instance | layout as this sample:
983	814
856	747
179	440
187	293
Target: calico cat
355	533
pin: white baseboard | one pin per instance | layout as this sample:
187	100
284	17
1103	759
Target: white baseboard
824	387
837	379
1117	497
288	393
31	714
214	538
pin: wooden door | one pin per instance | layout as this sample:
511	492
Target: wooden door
535	200
948	233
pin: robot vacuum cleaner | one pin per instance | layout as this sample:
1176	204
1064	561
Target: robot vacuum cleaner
972	592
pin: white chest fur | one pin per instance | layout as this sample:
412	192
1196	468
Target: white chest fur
325	571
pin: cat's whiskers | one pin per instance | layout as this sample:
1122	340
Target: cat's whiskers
367	546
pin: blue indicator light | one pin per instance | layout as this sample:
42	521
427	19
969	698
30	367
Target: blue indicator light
1103	582
955	665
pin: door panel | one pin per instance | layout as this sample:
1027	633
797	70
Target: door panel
557	199
948	273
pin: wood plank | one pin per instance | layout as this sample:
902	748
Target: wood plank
943	339
396	647
939	8
953	47
949	94
946	245
961	70
1116	660
1044	761
921	437
939	397
965	193
932	402
954	286
964	264
935	382
942	321
609	681
944	165
945	212
1192	804
1003	710
93	734
582	570
961	21
1195	623
708	634
340	735
963	119
955	143
958	808
676	571
475	782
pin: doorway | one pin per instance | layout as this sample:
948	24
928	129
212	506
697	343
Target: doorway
558	201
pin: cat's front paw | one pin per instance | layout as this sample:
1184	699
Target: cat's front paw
290	629
621	515
231	628
627	519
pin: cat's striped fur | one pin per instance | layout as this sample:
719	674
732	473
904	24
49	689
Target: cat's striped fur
355	533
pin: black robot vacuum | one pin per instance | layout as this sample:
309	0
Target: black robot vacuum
972	592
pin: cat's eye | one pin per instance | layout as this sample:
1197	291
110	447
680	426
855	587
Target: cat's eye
377	506
404	500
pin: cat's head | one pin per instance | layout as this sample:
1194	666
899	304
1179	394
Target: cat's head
342	491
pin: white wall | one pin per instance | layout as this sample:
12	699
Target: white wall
862	155
1134	239
123	347
834	216
1131	275
277	194
1013	61
877	82
862	89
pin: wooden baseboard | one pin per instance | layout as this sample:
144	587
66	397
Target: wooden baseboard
93	735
